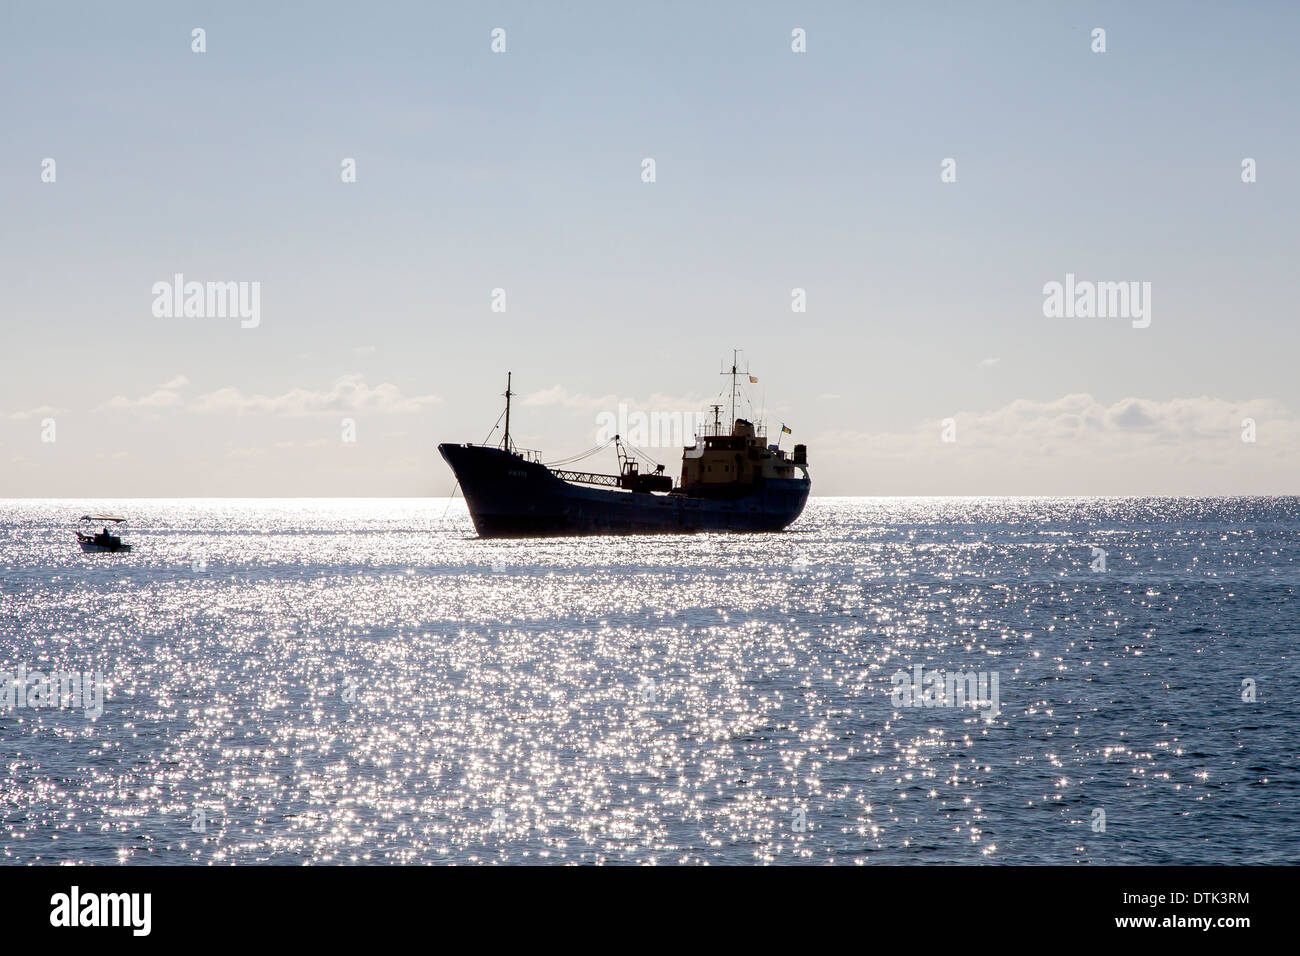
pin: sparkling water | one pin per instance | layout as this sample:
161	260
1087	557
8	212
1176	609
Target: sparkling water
323	681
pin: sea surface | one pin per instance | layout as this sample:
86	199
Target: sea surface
364	681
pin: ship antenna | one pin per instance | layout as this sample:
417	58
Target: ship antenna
717	425
733	373
505	441
732	423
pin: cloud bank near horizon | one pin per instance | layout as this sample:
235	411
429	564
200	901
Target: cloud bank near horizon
1072	444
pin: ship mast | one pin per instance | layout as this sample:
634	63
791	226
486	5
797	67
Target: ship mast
505	440
732	423
733	373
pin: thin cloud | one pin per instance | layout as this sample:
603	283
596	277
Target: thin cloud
166	395
40	411
1073	445
559	397
349	394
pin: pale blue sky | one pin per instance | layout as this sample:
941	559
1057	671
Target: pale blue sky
774	170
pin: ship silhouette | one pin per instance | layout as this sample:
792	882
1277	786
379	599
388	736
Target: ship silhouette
731	480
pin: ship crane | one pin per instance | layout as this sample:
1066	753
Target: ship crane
629	474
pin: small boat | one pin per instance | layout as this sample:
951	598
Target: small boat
103	541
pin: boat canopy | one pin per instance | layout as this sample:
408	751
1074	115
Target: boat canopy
102	518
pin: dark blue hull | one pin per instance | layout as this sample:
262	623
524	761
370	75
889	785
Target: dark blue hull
509	497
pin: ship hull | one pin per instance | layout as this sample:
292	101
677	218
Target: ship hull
509	497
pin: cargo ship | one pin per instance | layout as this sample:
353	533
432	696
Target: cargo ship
731	480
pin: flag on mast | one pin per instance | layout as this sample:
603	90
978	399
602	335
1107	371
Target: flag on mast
785	429
753	380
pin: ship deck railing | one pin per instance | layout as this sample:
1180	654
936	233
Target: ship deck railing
587	477
710	430
527	454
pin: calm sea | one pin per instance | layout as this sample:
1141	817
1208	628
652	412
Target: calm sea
325	681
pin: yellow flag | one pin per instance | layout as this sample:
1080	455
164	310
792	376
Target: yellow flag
753	380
